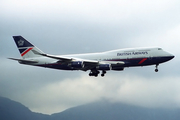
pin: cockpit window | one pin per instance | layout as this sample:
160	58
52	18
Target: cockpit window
159	48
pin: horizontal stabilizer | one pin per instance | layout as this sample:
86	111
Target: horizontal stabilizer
24	61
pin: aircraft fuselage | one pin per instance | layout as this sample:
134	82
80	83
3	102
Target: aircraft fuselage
95	62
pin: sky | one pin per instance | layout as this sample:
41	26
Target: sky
77	26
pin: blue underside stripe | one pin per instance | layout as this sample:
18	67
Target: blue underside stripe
128	63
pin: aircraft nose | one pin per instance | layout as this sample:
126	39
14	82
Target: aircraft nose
171	57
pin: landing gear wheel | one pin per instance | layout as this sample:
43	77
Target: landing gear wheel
102	75
94	73
156	70
90	74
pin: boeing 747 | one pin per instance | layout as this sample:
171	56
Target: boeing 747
94	62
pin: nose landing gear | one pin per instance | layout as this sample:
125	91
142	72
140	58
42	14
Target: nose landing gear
156	70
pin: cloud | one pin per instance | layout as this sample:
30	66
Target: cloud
66	27
49	91
96	11
151	92
131	89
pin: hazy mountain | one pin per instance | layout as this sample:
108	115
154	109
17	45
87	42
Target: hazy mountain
103	110
116	111
11	110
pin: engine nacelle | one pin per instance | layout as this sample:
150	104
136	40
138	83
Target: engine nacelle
104	67
117	68
77	64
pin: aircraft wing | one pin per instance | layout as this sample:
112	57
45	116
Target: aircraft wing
88	64
57	57
68	59
113	62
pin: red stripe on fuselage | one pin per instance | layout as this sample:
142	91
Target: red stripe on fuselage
142	60
26	51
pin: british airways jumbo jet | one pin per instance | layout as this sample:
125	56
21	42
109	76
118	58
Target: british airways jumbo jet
95	62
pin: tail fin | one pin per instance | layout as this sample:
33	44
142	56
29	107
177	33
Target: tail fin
26	49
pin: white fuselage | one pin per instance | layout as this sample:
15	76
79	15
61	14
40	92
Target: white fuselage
131	57
95	62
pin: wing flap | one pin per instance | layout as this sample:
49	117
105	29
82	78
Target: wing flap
114	62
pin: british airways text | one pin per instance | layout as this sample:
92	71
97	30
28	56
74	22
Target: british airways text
132	53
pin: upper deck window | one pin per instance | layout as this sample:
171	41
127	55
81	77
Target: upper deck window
159	48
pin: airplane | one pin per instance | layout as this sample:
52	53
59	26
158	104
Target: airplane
115	60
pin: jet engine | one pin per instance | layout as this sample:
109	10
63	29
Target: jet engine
104	67
76	64
117	68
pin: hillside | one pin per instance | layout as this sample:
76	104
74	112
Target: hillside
116	111
11	110
102	110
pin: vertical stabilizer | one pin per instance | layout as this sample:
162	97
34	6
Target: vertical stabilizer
26	49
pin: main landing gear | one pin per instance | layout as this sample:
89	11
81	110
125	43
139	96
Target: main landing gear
103	73
96	72
156	70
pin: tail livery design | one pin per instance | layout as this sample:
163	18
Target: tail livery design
95	62
26	49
